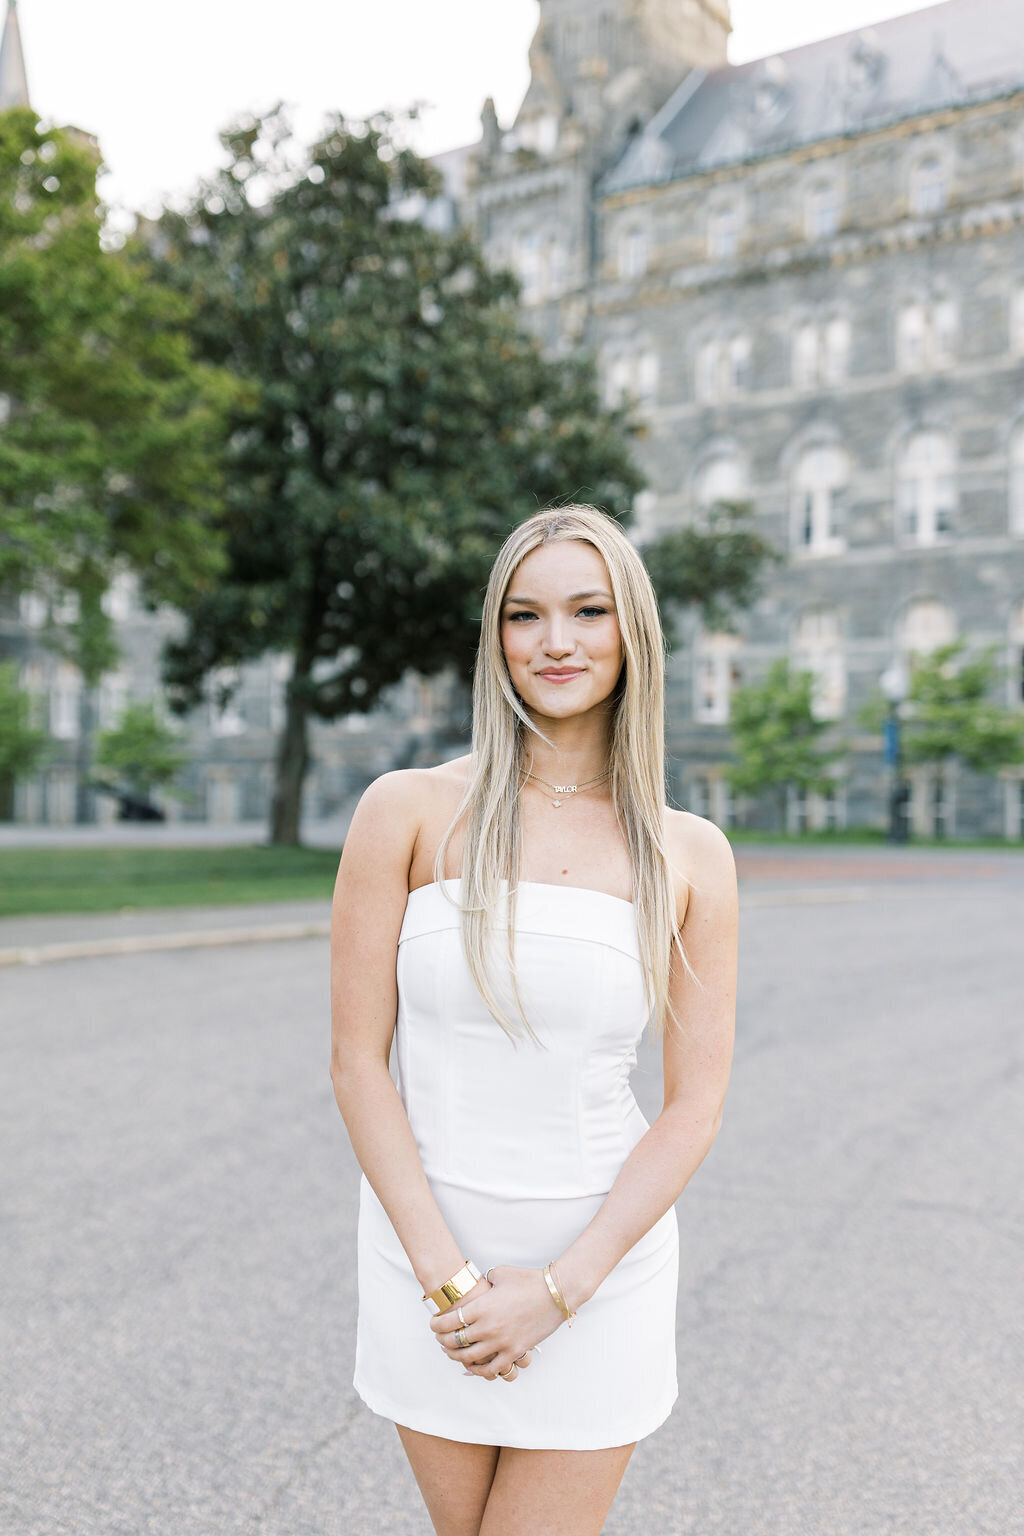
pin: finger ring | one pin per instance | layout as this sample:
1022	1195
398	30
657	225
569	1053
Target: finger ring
461	1339
487	1276
521	1357
462	1317
507	1374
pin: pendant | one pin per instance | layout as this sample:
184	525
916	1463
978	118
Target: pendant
556	804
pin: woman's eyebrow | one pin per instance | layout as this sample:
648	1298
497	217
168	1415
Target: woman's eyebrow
573	597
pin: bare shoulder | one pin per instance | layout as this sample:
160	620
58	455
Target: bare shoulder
395	808
703	861
412	791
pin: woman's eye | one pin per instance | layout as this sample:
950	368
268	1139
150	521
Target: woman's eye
596	612
524	614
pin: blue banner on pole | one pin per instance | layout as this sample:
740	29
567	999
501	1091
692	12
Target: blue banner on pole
891	737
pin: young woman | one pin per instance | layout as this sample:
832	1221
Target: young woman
510	922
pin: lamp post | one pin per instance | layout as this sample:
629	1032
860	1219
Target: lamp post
895	684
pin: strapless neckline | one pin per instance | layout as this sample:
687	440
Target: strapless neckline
541	885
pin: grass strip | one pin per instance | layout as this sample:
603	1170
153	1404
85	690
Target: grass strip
35	880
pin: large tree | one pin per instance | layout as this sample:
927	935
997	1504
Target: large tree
112	432
400	422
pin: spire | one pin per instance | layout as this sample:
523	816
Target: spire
13	80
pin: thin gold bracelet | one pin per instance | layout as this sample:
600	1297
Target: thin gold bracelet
551	1278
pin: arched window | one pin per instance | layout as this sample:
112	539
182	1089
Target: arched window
528	266
943	332
632	376
926	336
723	232
721	479
738	354
32	609
65	698
818	649
805	357
633	254
926	489
706	381
723	369
923	627
716	673
929	190
822	209
819	485
32	679
836	354
911	339
1017	482
118	600
551	276
114	692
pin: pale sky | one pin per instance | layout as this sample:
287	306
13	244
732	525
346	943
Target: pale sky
155	81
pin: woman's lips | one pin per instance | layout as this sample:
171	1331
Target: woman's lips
561	677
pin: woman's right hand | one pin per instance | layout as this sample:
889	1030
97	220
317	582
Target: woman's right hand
502	1323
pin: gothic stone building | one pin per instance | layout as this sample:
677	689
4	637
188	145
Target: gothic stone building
808	272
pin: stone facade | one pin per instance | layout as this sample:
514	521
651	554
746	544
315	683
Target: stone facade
808	274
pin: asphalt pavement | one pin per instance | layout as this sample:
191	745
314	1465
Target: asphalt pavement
177	1292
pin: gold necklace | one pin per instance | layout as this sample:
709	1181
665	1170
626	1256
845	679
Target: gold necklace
569	789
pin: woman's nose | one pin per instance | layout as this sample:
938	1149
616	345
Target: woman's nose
557	641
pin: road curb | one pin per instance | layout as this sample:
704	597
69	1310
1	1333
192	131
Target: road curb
140	944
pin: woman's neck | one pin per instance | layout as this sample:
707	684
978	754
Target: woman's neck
580	749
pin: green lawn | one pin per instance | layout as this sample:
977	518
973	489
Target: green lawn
111	879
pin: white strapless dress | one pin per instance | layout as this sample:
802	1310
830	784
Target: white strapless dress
520	1143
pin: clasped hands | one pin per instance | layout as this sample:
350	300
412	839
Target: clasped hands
502	1319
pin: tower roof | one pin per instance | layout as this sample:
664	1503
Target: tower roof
13	80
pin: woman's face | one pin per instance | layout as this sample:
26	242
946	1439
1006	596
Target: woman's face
559	629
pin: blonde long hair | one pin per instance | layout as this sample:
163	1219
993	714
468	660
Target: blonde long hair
490	804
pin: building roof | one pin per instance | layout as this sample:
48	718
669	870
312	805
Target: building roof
13	80
946	55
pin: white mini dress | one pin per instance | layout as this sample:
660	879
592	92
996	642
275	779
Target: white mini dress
520	1142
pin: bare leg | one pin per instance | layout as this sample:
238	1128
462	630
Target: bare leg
454	1479
562	1493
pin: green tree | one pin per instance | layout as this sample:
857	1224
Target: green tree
112	438
22	747
777	738
716	568
140	752
399	424
949	714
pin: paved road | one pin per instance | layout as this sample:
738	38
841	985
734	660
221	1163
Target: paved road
177	1289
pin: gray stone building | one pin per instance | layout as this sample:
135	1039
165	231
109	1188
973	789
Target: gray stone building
808	274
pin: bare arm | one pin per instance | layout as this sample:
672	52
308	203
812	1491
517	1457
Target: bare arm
697	1061
369	903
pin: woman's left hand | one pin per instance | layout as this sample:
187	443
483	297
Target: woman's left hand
502	1325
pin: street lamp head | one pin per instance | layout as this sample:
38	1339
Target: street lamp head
895	681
